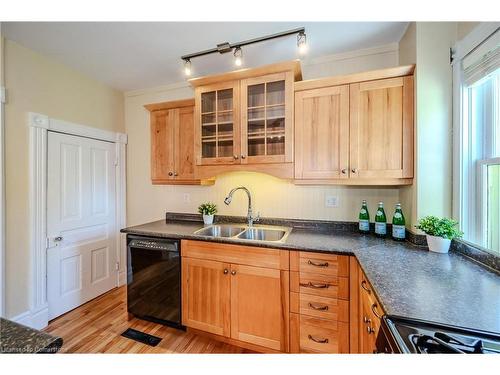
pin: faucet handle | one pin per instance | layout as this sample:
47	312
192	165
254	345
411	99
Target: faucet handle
257	217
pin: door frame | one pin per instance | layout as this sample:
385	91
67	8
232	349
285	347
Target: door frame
39	126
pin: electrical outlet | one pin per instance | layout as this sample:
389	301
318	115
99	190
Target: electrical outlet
186	197
331	201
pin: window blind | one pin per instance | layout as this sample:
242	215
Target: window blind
482	61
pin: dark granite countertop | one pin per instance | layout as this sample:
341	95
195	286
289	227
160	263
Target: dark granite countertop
409	280
16	338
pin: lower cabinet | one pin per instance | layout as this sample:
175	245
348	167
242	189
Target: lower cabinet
370	316
206	295
247	302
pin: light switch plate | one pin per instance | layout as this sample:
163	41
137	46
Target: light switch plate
331	201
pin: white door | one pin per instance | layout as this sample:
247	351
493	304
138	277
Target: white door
81	255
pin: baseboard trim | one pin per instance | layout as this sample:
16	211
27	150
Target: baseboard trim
122	278
34	319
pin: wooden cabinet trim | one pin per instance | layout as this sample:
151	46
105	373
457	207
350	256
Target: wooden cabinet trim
236	254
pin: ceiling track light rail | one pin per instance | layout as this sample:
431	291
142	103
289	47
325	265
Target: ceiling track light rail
228	47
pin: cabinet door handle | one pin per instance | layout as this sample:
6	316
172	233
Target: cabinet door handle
235	157
325	264
170	174
354	170
315	286
175	174
363	285
233	272
226	271
344	171
319	341
374	311
316	307
243	156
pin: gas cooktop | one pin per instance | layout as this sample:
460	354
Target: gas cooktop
404	335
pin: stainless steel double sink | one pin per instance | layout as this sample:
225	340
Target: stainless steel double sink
264	233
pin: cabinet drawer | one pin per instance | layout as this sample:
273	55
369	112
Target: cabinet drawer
323	336
320	285
236	254
319	263
321	307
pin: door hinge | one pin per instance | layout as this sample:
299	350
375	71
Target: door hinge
117	266
452	55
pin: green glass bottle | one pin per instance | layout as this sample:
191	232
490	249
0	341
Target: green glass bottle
364	218
398	224
380	221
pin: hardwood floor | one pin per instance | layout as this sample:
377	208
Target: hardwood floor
96	326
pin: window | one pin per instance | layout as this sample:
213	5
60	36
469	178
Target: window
480	146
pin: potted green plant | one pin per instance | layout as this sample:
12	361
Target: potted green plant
439	232
208	210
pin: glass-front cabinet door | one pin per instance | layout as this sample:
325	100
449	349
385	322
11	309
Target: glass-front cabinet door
267	128
217	128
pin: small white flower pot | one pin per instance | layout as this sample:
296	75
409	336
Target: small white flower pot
208	219
438	244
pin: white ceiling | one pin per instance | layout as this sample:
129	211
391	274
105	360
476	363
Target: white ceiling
136	55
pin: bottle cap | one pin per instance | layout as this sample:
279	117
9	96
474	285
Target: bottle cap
380	203
363	201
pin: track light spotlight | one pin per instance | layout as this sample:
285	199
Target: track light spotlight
302	42
238	56
187	67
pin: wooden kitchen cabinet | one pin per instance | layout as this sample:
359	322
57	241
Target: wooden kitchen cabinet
355	129
381	129
217	124
172	149
239	292
266	118
259	299
252	128
322	133
206	295
370	316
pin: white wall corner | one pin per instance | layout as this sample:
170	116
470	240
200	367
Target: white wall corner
38	120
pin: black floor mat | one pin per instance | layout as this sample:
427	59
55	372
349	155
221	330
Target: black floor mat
141	337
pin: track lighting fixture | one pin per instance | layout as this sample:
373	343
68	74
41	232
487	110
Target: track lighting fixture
187	67
302	42
238	55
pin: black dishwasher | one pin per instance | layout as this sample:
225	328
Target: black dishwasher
154	279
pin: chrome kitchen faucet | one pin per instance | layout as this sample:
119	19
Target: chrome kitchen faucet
250	217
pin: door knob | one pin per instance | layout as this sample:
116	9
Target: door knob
175	174
226	271
243	156
58	239
344	171
235	157
354	170
170	173
233	272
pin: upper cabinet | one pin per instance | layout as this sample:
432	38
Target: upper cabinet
266	118
244	120
217	130
381	129
356	129
172	149
355	133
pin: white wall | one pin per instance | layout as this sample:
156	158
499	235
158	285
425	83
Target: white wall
38	84
273	197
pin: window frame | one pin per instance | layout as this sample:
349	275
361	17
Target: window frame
464	209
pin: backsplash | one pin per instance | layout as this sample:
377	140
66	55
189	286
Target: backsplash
272	197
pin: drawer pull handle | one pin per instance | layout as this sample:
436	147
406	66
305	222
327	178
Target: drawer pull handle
319	341
366	320
370	330
315	286
325	264
319	308
363	285
374	310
